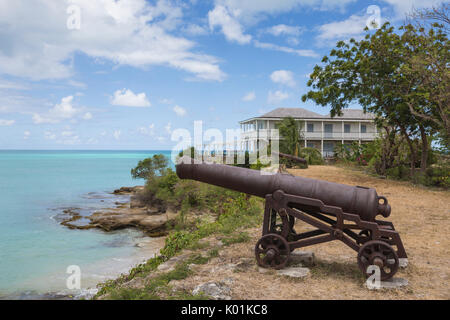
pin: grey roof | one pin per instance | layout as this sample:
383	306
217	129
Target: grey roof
291	112
354	114
301	113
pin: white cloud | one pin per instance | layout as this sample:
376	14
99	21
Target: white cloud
125	32
254	9
26	135
62	111
284	77
117	134
77	84
195	30
168	128
249	96
49	135
299	52
402	7
6	123
230	26
166	101
179	111
277	97
70	140
341	30
67	133
147	131
12	85
87	116
128	99
282	29
92	141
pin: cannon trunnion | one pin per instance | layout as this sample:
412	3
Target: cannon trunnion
337	211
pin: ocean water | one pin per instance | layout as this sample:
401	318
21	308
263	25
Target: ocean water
35	187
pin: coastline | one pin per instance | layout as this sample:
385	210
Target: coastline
147	238
134	213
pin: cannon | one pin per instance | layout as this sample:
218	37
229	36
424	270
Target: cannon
290	157
336	211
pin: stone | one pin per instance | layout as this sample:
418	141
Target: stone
170	264
215	290
294	272
136	202
243	265
302	258
264	270
403	262
393	283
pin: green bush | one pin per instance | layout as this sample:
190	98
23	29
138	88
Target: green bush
438	176
150	167
312	156
400	172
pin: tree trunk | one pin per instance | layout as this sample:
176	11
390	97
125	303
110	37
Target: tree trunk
413	152
425	149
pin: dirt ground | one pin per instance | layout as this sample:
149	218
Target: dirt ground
421	215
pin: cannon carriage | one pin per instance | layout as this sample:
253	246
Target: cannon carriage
336	211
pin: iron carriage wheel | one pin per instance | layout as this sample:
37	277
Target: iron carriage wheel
272	251
381	254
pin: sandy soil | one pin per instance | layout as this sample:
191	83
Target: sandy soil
421	215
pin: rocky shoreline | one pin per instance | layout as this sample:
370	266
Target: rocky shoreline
153	221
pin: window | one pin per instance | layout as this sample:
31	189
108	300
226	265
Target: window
261	125
310	127
363	128
346	128
311	145
328	128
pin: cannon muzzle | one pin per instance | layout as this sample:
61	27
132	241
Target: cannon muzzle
356	200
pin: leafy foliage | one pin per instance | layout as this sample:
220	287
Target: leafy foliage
150	167
312	156
290	136
399	75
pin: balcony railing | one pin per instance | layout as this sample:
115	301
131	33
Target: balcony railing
315	134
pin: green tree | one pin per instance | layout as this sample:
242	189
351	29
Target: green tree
376	73
426	38
150	167
290	136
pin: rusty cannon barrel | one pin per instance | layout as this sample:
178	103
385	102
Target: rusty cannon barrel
290	157
356	200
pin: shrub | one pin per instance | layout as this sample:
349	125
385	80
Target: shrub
438	176
312	156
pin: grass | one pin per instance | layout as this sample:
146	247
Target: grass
159	286
236	212
236	238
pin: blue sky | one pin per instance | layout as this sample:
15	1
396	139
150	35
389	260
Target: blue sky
123	74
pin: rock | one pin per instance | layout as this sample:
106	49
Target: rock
86	294
264	270
215	290
294	272
393	283
120	218
243	265
403	262
153	222
128	190
134	214
302	258
136	202
170	264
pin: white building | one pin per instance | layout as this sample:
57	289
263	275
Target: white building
317	131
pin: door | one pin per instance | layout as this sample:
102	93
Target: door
328	128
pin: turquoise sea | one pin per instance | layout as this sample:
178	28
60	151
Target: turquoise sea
35	187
